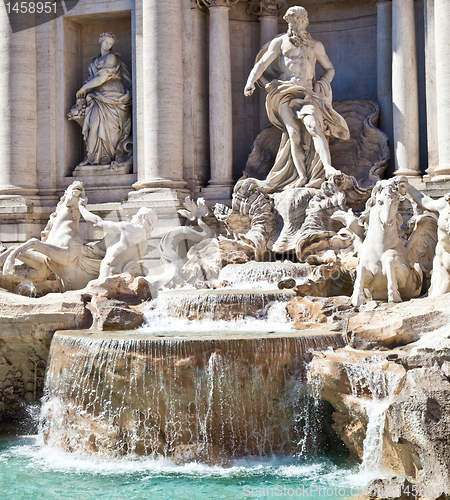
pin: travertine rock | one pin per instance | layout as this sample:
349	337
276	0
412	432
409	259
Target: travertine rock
322	313
110	314
27	326
380	324
327	280
413	384
418	425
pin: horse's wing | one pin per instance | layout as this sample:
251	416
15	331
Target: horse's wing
421	245
351	222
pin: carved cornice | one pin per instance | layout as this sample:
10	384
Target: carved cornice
262	8
216	3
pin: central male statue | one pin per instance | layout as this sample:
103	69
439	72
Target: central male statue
298	104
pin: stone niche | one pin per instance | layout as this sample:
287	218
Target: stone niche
80	46
348	31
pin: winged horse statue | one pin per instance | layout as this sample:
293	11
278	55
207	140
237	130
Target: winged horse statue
61	249
389	266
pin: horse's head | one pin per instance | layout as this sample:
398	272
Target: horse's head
73	193
387	198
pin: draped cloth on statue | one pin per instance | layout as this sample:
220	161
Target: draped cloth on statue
303	102
107	123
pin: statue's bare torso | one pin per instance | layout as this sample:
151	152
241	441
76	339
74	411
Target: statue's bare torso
297	64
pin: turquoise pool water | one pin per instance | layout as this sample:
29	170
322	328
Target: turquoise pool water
32	471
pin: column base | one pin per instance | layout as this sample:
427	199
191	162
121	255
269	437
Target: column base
408	173
220	192
442	173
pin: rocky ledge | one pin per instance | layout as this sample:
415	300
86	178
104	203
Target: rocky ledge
390	389
27	326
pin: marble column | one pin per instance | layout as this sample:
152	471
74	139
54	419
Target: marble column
160	164
405	98
430	82
18	177
267	11
220	108
384	69
442	44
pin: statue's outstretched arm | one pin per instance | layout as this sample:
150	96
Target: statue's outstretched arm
255	74
98	222
421	199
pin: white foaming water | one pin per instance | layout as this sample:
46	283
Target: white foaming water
32	455
375	387
262	275
158	321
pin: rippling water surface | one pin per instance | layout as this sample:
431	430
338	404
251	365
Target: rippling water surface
31	470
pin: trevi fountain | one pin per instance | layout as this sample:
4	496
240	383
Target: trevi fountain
225	257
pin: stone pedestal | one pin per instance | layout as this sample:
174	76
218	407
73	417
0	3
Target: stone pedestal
405	89
442	44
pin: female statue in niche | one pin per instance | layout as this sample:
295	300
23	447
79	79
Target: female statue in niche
103	110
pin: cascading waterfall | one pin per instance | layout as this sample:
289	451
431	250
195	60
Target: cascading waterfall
262	272
135	394
375	387
224	304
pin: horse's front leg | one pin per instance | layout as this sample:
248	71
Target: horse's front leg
363	276
5	254
390	268
57	254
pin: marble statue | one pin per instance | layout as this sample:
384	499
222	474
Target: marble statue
125	243
298	219
201	262
103	110
62	249
298	104
440	278
388	267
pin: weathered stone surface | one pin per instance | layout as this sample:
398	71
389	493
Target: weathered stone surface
108	314
413	382
325	313
286	283
392	488
327	280
418	425
384	325
130	289
22	272
27	326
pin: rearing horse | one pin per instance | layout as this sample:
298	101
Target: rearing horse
387	266
62	250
